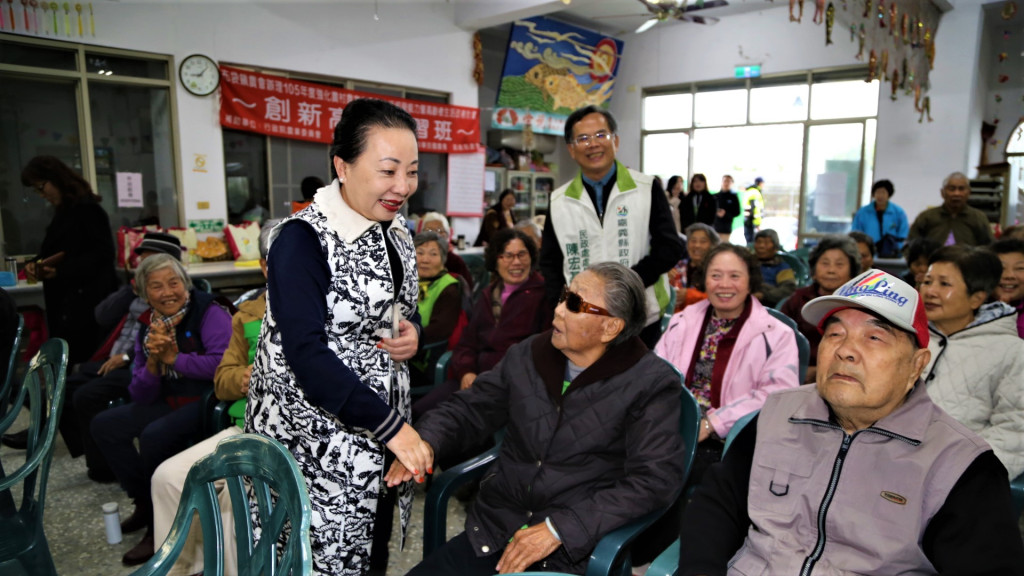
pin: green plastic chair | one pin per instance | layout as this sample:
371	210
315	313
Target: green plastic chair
12	363
250	464
801	269
432	354
667	563
478	270
803	346
1017	495
611	556
203	285
23	546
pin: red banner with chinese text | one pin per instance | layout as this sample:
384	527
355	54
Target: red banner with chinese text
300	110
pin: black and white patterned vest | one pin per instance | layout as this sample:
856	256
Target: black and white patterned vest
343	465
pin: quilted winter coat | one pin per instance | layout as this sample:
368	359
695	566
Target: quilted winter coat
977	376
605	452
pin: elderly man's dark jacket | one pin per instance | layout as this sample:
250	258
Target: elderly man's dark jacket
603	453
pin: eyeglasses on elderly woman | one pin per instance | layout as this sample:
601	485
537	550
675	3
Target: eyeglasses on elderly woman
576	304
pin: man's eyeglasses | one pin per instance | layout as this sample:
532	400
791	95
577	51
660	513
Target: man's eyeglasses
38	186
522	256
576	304
597	138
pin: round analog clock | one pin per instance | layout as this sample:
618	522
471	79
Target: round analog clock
199	74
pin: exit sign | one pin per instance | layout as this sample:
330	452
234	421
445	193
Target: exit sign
748	71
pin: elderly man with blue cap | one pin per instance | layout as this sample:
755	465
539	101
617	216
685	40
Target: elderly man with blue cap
859	473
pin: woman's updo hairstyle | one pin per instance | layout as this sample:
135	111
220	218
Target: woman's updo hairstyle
359	117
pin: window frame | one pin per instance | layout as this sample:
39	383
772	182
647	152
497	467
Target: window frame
82	79
810	78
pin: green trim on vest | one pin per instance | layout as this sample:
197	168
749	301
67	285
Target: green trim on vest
426	303
623	178
661	293
575	189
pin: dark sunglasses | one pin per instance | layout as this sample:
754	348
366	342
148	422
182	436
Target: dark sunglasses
576	304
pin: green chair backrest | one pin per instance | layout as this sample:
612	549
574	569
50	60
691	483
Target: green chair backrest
22	530
801	269
12	364
203	285
250	464
478	270
803	346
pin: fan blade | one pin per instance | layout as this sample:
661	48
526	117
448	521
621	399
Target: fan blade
707	20
646	26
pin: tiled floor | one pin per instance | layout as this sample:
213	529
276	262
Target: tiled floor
74	520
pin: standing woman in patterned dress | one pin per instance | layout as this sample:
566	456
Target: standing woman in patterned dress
329	379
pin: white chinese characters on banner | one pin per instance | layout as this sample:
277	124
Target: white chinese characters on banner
129	190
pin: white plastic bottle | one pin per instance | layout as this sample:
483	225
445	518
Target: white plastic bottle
112	522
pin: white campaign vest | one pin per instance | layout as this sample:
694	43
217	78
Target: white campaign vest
624	237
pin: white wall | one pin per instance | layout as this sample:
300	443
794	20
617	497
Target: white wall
413	45
916	157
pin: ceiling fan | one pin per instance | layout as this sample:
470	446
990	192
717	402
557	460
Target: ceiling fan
662	10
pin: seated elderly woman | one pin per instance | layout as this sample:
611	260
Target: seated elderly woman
977	366
509	311
438	223
778	280
1011	285
731	351
592	436
184	335
834	261
440	299
700	238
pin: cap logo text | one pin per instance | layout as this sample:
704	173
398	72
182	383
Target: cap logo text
875	286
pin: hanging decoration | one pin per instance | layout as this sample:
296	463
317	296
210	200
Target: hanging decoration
43	18
1007	60
896	37
830	19
478	60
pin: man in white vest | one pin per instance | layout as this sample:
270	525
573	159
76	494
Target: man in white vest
608	213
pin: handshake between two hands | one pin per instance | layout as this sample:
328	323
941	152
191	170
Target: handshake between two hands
414	458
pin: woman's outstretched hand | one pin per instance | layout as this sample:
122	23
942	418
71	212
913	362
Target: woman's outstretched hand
414	457
404	346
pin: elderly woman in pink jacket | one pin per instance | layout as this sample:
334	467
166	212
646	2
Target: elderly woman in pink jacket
731	351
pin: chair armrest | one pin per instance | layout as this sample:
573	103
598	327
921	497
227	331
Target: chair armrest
667	563
1017	495
435	509
441	368
219	416
612	546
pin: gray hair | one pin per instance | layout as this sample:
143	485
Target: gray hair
955	175
624	297
530	225
159	262
700	226
265	236
424	237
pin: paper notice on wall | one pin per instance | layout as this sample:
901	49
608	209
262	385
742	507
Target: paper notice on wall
129	189
490	181
466	184
830	195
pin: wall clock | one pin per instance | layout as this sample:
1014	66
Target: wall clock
199	74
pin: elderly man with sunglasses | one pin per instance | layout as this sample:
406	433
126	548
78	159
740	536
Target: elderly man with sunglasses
592	435
609	213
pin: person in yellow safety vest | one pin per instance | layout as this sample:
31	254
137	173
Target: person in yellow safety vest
753	208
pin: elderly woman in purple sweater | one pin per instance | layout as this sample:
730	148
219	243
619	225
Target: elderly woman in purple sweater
183	338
